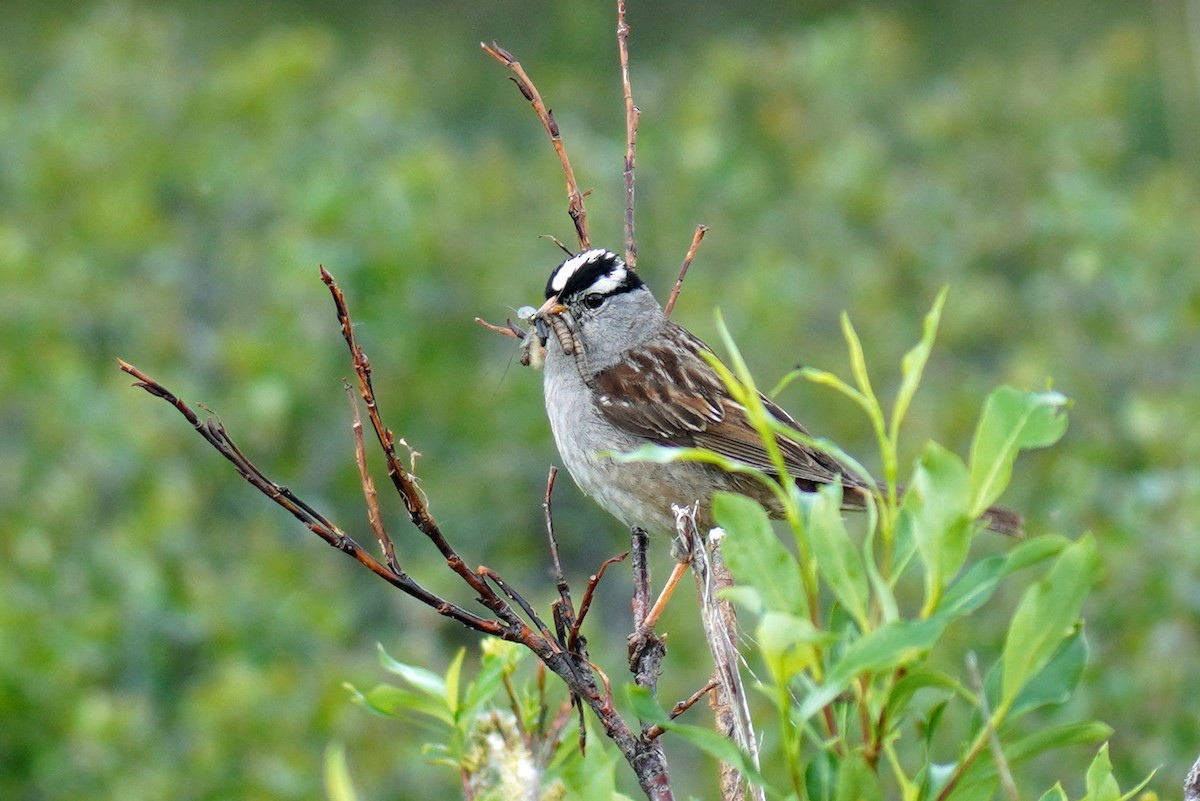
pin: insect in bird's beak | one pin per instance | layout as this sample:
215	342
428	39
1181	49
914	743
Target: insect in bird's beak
550	316
530	315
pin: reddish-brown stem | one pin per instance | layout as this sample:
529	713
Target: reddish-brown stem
681	707
574	197
701	230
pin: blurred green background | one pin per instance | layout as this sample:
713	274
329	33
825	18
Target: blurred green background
171	175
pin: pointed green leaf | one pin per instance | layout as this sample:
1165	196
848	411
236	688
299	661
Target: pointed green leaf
920	678
1055	793
839	562
1101	784
1049	738
912	366
756	557
393	702
789	644
424	680
936	512
453	674
887	647
1055	683
1011	421
1046	615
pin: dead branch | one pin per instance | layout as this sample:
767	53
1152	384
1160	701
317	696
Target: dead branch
701	230
574	197
631	125
580	675
681	707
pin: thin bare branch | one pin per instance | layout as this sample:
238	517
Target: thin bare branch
574	197
509	329
586	603
215	434
681	707
374	517
701	230
985	713
631	126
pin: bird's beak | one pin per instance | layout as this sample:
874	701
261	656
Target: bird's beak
550	307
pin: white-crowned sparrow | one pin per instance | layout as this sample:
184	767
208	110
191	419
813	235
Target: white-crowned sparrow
618	375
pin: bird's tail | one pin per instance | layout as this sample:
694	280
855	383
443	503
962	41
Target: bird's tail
996	518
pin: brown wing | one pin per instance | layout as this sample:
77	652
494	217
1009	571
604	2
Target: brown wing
670	395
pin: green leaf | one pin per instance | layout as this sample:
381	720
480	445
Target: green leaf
453	674
591	774
972	589
1055	793
717	745
338	786
936	511
839	562
423	680
912	366
1011	421
756	557
789	644
857	781
920	678
1055	683
887	647
1051	737
1046	615
1035	550
1100	782
392	702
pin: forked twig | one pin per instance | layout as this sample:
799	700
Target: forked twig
574	197
214	432
579	674
697	237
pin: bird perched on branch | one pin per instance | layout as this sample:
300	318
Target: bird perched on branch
619	375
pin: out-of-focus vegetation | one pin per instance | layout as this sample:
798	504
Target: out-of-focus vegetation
172	175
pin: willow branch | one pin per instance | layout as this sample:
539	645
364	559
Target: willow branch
697	237
574	197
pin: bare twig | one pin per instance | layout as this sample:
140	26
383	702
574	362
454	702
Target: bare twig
574	197
369	494
566	605
509	329
646	758
985	713
586	602
214	432
664	595
631	125
681	707
701	230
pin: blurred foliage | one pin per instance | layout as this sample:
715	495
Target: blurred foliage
172	174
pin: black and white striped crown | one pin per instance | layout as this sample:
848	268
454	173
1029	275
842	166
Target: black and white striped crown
596	271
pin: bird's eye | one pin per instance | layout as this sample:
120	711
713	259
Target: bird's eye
594	300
